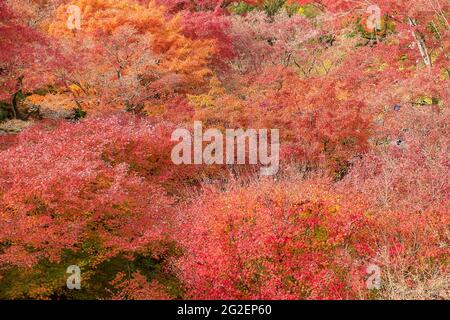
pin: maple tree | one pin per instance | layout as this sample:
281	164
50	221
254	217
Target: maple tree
131	53
92	195
23	54
319	130
358	91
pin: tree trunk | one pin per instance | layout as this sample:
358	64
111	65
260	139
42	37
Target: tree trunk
14	98
421	44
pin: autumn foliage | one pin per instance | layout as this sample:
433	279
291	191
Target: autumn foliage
57	206
358	91
265	241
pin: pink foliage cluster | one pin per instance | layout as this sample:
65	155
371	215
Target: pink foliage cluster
273	241
61	189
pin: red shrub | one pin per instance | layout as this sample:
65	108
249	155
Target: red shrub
57	190
273	241
407	169
405	179
137	288
317	128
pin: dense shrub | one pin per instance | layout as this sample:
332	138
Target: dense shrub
274	241
58	191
